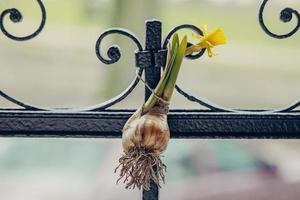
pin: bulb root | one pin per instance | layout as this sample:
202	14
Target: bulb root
139	166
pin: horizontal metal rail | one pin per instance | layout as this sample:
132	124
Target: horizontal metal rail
183	124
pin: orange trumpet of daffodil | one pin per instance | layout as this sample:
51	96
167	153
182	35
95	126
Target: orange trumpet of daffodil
208	41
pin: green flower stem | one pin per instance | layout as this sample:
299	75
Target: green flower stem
171	82
167	83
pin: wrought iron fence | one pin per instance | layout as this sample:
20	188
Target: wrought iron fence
101	121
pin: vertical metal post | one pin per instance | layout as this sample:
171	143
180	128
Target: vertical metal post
152	77
153	43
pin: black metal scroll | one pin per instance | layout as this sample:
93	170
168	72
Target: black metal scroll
16	17
286	15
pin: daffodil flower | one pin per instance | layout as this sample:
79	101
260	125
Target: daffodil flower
208	41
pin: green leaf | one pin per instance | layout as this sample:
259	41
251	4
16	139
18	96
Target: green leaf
172	78
167	71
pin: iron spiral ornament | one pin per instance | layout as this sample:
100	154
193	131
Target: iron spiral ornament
182	27
286	15
16	17
114	52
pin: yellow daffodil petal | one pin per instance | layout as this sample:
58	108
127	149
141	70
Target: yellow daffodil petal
217	37
192	49
197	36
207	41
209	44
205	29
210	52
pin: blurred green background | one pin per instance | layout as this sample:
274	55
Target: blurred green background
59	68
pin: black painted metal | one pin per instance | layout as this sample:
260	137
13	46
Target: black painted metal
286	15
152	77
181	27
114	52
146	59
100	122
153	44
16	16
17	102
183	124
152	56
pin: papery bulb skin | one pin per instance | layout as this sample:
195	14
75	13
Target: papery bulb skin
150	131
